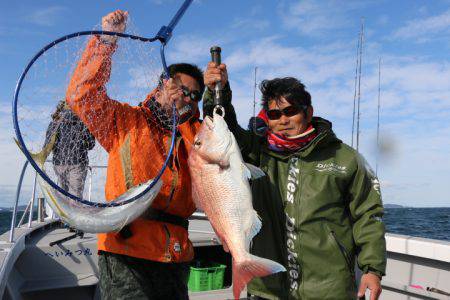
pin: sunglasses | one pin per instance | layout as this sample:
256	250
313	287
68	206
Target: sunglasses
195	96
275	114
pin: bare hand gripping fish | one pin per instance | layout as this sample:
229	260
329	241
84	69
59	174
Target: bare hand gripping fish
91	218
220	187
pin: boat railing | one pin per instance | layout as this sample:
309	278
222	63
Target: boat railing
29	210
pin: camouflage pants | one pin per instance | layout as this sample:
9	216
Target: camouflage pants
71	178
125	277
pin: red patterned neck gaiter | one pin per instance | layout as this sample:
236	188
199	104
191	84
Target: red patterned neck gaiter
281	143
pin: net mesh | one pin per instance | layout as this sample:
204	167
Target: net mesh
108	113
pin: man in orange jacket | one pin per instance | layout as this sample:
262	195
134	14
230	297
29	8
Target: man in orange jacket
149	257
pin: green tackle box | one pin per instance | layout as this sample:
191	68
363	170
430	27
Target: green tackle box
206	276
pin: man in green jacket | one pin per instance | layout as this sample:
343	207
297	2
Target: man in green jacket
320	203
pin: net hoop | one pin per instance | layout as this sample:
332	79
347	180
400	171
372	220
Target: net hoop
163	40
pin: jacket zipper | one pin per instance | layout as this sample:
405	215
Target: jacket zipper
343	252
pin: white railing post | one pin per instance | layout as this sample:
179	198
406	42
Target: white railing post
19	186
30	216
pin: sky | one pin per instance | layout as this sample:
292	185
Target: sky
315	41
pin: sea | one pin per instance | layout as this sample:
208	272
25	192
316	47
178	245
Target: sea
431	223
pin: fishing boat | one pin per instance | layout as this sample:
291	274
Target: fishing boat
41	258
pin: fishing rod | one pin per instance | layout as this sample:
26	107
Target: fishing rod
218	101
378	116
254	102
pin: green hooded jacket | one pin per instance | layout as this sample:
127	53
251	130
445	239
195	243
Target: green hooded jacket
321	209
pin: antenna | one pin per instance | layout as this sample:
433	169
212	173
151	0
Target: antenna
356	85
359	84
378	117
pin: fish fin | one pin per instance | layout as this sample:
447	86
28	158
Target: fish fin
253	266
253	172
222	241
225	247
41	156
253	229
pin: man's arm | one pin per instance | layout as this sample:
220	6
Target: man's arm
86	94
366	209
249	143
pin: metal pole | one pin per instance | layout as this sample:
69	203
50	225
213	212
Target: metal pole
40	209
254	102
359	84
378	117
90	183
13	219
24	214
30	216
356	85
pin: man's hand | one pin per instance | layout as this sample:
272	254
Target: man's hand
372	282
215	73
169	93
115	21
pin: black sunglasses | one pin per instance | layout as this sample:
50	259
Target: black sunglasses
275	114
195	96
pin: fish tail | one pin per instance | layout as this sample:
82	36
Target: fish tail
253	266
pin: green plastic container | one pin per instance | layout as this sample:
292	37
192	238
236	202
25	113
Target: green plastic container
206	278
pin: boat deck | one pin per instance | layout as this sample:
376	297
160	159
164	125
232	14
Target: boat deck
32	269
73	263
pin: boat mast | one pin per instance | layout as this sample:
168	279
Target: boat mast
378	116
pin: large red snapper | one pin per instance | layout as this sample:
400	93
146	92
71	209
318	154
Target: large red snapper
221	189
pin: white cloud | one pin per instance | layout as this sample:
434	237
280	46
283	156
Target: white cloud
191	48
314	18
250	24
158	2
423	28
383	20
46	16
145	77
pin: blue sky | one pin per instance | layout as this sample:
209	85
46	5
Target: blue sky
312	40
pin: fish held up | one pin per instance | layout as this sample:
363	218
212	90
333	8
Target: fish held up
221	189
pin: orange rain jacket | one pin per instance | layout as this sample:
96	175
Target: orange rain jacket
134	141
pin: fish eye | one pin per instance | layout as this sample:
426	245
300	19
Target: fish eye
197	143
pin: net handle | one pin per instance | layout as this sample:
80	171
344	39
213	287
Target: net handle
163	38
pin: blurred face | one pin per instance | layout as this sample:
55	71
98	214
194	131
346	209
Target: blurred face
189	85
289	126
